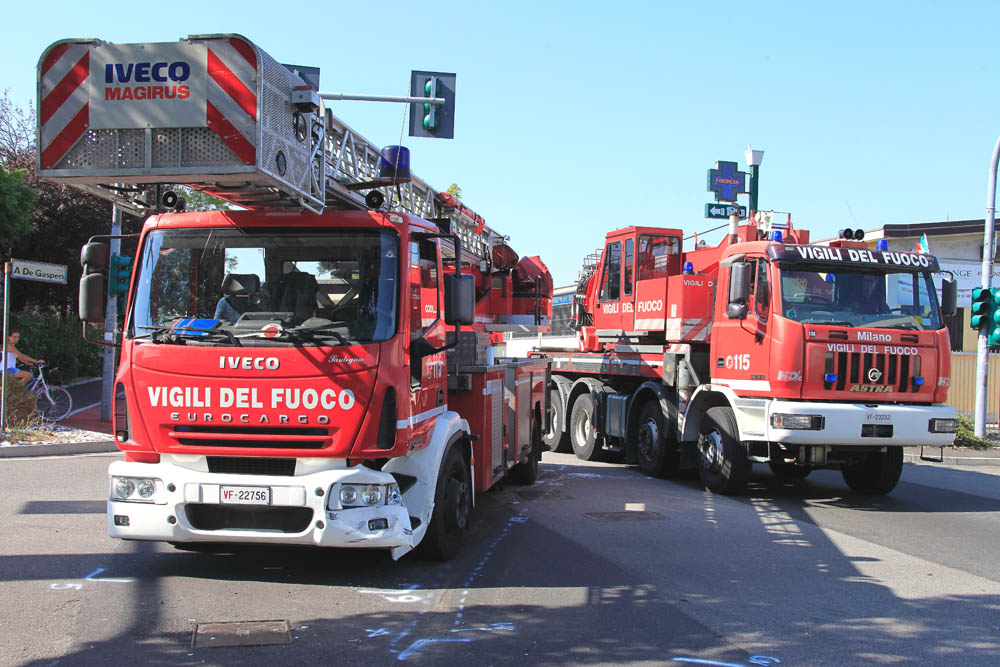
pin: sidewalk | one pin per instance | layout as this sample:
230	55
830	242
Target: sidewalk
82	433
950	456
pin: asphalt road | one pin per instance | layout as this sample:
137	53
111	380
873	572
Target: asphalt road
595	564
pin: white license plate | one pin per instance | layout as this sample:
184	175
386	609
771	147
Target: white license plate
245	495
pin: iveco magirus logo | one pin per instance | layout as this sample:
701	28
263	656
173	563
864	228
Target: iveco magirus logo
874	375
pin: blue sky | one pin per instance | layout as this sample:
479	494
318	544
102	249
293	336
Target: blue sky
575	118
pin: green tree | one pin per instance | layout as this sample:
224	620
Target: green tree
200	201
17	201
454	191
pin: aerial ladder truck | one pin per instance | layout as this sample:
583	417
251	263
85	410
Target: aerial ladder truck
313	368
763	348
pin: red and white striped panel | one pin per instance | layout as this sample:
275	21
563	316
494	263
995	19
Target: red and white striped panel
232	95
63	110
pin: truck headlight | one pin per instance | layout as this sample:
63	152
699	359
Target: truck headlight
797	422
943	425
133	489
368	495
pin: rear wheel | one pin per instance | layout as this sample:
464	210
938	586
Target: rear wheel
452	508
582	429
723	464
789	470
654	451
556	438
56	406
526	472
877	473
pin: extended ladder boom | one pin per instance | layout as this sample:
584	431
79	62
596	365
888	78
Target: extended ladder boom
218	114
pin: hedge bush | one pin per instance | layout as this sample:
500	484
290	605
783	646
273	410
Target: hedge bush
966	436
59	342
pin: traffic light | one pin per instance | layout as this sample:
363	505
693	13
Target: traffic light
983	306
119	273
436	121
994	335
432	88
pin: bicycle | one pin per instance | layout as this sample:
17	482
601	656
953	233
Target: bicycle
54	403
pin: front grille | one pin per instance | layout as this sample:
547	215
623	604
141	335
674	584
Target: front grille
273	437
220	517
860	372
251	466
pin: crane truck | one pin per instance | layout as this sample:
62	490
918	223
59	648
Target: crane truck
763	348
288	373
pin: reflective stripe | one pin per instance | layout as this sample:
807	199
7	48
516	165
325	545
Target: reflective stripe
746	385
423	416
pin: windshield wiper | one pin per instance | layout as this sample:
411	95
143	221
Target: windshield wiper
181	335
316	333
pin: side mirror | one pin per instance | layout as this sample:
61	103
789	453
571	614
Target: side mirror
93	298
94	257
459	299
739	290
736	311
949	297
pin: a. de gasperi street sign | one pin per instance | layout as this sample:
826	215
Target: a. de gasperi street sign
726	181
40	271
723	211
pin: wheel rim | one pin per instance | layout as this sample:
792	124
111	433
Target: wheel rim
583	428
710	446
457	505
649	435
553	421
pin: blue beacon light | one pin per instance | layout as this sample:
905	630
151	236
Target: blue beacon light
776	236
688	268
882	245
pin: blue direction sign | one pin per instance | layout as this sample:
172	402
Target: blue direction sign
726	181
723	211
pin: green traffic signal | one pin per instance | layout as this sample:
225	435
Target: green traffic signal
432	88
119	273
984	308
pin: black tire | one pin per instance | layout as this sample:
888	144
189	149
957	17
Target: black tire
582	429
654	451
56	409
789	470
452	508
556	439
877	473
526	472
722	463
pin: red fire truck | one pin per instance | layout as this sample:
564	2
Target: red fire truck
288	372
761	349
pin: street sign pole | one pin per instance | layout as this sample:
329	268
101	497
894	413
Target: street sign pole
982	348
3	378
110	323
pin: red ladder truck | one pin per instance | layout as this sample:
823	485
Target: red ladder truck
761	349
287	371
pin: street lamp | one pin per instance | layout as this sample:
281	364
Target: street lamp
754	158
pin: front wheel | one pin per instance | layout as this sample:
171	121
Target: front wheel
54	404
877	473
452	508
723	463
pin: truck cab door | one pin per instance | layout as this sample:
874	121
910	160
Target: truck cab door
608	315
740	345
427	332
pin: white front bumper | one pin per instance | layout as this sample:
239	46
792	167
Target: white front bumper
167	518
843	424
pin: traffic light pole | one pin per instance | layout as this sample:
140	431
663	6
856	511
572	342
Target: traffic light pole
982	349
110	323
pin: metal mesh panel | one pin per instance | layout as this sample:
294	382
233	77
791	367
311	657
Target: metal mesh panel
166	147
202	146
107	149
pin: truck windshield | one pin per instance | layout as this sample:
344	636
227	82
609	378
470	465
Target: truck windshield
247	287
860	298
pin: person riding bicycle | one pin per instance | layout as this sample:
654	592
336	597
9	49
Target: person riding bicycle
14	355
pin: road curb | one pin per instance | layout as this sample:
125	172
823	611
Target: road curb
954	460
57	449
